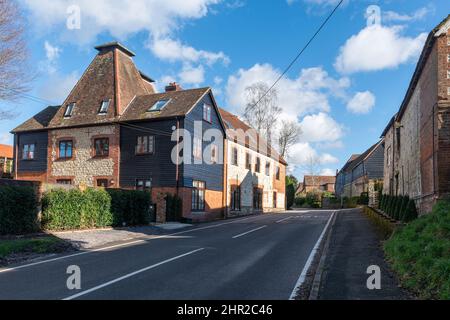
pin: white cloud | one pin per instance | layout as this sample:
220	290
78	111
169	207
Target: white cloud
361	103
320	128
328	172
58	87
6	138
378	47
174	50
52	52
303	152
192	75
419	14
308	93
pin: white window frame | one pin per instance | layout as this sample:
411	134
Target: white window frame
104	107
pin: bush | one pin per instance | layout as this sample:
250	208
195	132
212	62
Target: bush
290	195
130	207
18	210
363	199
410	213
381	202
313	200
174	206
403	208
299	201
390	205
75	209
420	253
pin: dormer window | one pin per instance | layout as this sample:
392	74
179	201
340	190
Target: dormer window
159	105
69	110
105	106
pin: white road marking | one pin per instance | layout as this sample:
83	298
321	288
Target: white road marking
75	296
285	219
313	253
120	245
245	233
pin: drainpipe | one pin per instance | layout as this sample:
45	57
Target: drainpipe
177	164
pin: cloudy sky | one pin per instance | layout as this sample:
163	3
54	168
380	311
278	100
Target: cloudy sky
342	91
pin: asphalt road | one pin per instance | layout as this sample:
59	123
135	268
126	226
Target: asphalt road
258	257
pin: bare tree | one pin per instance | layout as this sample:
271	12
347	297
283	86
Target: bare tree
288	136
262	109
14	76
312	168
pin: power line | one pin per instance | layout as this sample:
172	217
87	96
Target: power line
300	53
28	96
145	129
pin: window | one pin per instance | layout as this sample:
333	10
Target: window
234	157
275	196
398	133
102	183
159	105
214	154
101	147
448	74
65	149
257	199
207	112
448	91
198	196
258	165
248	161
197	148
267	168
104	107
144	184
236	198
67	182
69	110
448	58
145	145
28	152
278	173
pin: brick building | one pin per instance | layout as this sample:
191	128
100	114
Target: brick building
115	131
417	139
316	184
6	160
255	172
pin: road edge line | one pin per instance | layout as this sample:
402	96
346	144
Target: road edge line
309	262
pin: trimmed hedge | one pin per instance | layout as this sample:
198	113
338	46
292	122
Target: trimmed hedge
400	208
174	205
18	210
75	209
130	207
94	208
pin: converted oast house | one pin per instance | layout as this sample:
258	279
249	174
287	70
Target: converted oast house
417	139
115	131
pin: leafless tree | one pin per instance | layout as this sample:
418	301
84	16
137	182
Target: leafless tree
312	168
14	75
288	136
262	109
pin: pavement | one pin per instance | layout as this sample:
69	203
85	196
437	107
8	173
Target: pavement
354	246
257	257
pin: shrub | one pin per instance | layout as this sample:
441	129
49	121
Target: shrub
18	210
419	253
300	201
381	202
410	213
290	195
390	205
130	207
404	208
75	209
363	199
174	206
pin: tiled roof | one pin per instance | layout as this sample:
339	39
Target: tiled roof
6	151
180	103
319	180
233	122
363	157
39	121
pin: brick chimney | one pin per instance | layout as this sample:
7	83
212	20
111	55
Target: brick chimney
173	86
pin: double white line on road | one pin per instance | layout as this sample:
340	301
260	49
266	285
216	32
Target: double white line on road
75	296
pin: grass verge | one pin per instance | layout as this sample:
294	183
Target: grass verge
420	254
38	245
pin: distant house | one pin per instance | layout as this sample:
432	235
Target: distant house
363	173
6	161
255	177
317	184
115	131
417	139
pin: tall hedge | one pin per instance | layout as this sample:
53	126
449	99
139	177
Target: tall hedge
75	209
290	195
174	206
18	210
411	212
130	207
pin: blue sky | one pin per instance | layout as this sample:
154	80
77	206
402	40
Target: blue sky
342	91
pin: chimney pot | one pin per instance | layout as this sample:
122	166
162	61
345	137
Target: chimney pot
173	86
